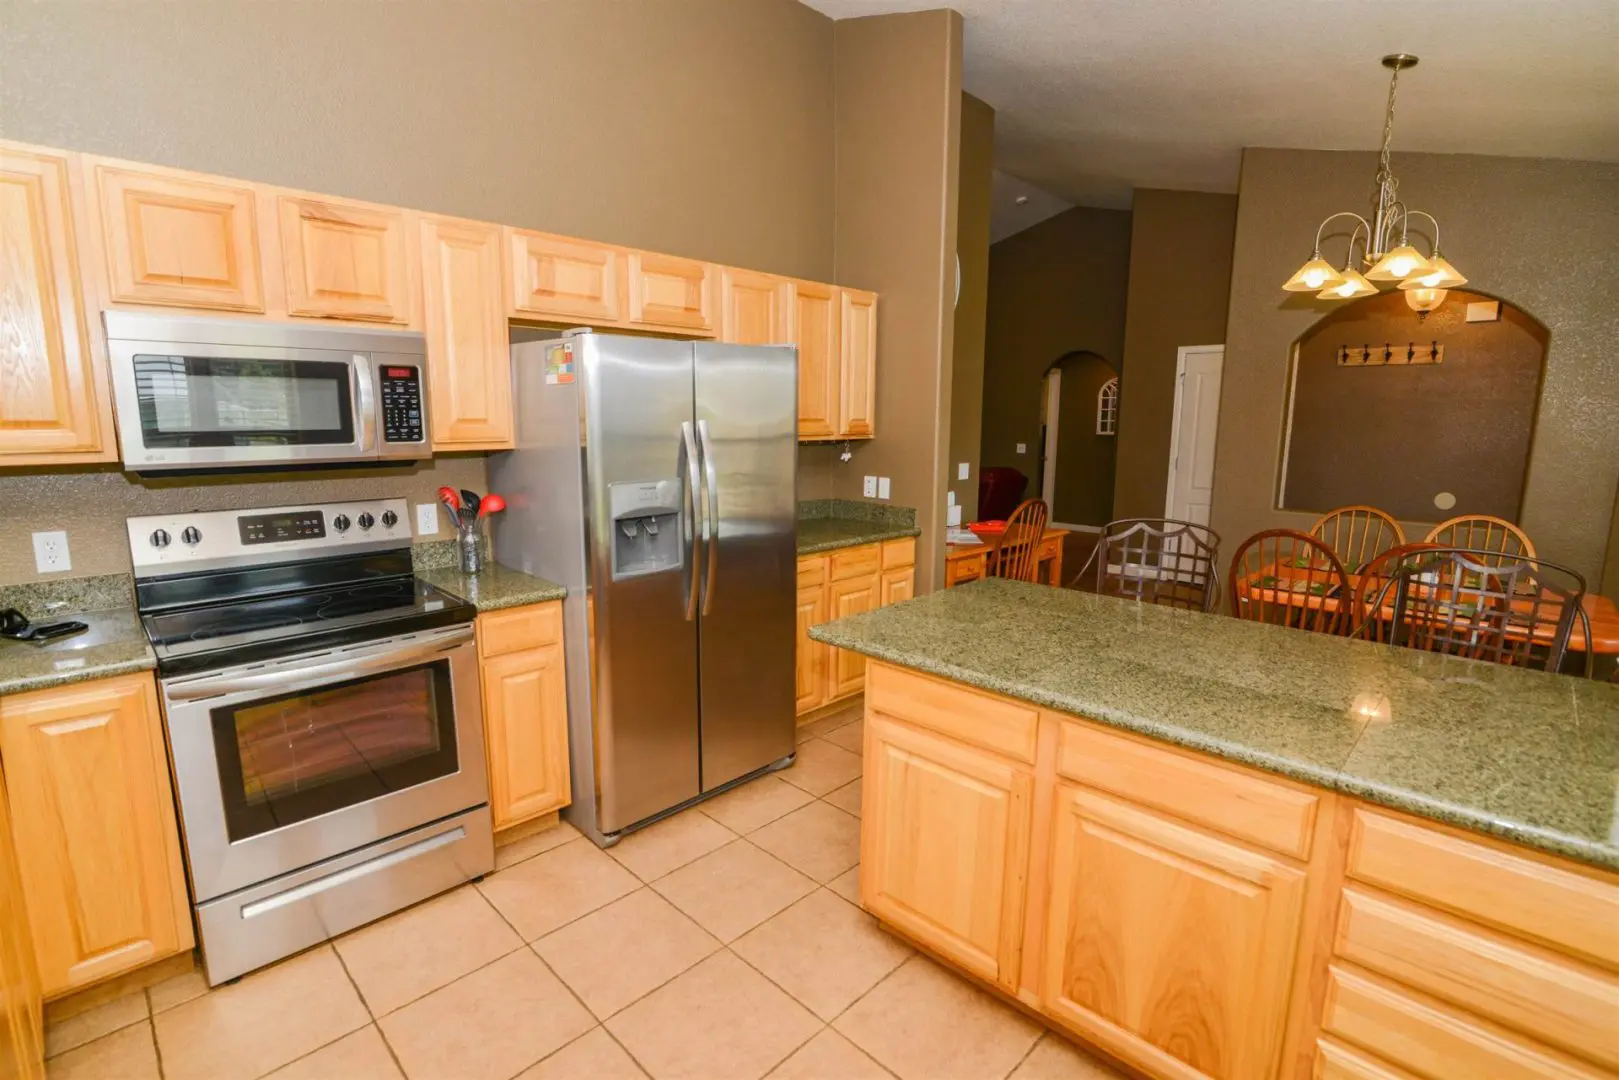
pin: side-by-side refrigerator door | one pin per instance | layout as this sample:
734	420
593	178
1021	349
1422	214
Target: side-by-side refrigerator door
640	474
747	428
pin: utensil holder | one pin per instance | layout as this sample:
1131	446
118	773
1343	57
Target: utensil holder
470	547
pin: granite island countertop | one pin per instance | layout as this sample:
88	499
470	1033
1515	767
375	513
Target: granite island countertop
1522	755
494	588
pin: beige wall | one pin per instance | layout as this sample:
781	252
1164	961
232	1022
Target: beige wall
1610	570
1054	289
1083	488
898	90
703	128
972	246
1180	287
1539	234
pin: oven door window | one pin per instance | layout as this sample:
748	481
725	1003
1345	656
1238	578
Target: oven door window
296	756
218	401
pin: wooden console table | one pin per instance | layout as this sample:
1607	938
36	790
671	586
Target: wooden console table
969	562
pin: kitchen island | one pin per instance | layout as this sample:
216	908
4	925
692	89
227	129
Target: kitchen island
1214	848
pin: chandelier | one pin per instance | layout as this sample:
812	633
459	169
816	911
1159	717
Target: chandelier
1385	245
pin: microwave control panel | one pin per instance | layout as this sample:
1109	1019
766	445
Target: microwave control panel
401	389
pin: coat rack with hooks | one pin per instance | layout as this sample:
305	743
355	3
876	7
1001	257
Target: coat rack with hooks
1391	354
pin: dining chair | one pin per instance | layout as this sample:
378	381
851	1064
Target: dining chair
1016	553
1289	578
1369	586
1157	561
1480	532
1357	534
1469	603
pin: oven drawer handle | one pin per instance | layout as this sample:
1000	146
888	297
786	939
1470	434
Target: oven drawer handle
293	677
352	873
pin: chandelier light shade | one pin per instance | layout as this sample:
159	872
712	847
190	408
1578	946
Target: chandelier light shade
1387	253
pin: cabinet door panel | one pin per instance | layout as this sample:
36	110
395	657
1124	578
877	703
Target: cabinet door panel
816	319
525	703
669	293
97	841
898	585
753	308
180	241
945	846
844	598
1168	946
811	656
468	357
345	261
22	1034
555	277
52	394
857	396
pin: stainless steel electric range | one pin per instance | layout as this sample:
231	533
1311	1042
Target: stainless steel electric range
324	721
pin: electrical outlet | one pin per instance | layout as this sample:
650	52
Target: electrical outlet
50	553
882	487
961	471
426	518
1023	448
870	487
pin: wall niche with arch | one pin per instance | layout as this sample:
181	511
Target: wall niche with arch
1423	441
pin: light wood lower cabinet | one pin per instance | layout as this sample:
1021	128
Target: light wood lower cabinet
810	663
1203	921
92	814
846	582
22	1035
525	710
468	356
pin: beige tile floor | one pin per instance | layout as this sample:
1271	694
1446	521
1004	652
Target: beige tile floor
722	943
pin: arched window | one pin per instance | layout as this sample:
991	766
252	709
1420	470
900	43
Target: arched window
1107	408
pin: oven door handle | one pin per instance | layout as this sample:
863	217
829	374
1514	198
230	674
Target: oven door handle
295	678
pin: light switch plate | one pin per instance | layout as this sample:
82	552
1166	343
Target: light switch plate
870	488
426	518
1023	448
961	471
50	553
882	487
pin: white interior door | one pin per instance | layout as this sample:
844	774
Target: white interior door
1048	452
1191	446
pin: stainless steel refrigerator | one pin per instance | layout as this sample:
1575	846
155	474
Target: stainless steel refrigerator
656	480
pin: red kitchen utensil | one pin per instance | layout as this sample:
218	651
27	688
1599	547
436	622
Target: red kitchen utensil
449	498
492	504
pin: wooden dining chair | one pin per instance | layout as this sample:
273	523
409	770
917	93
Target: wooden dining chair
1480	532
1370	589
1289	578
1471	603
1157	561
1357	534
1016	553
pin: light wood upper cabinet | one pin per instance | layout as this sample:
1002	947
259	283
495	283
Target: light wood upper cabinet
54	404
554	277
468	357
97	840
525	712
857	402
178	240
670	293
346	261
1167	945
754	308
22	1035
816	318
945	845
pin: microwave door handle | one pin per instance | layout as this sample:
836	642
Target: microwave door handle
693	485
297	678
711	520
365	402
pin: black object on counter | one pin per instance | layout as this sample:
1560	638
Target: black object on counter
15	625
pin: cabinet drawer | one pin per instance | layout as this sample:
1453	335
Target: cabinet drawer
1429	1039
1570	911
501	632
812	571
1562	1002
1260	811
1334	1061
855	561
898	553
980	719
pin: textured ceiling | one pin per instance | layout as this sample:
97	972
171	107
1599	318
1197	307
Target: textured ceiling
1096	97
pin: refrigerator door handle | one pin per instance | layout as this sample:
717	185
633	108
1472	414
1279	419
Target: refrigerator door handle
711	520
693	487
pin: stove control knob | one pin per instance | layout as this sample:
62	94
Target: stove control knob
366	521
340	523
191	535
160	539
389	519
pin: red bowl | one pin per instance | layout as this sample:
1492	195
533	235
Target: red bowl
987	528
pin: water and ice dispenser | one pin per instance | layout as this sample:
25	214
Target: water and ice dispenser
646	527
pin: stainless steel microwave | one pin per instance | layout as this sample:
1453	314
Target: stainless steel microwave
214	393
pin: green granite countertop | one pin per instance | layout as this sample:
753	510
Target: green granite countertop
1525	756
494	588
115	644
816	535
